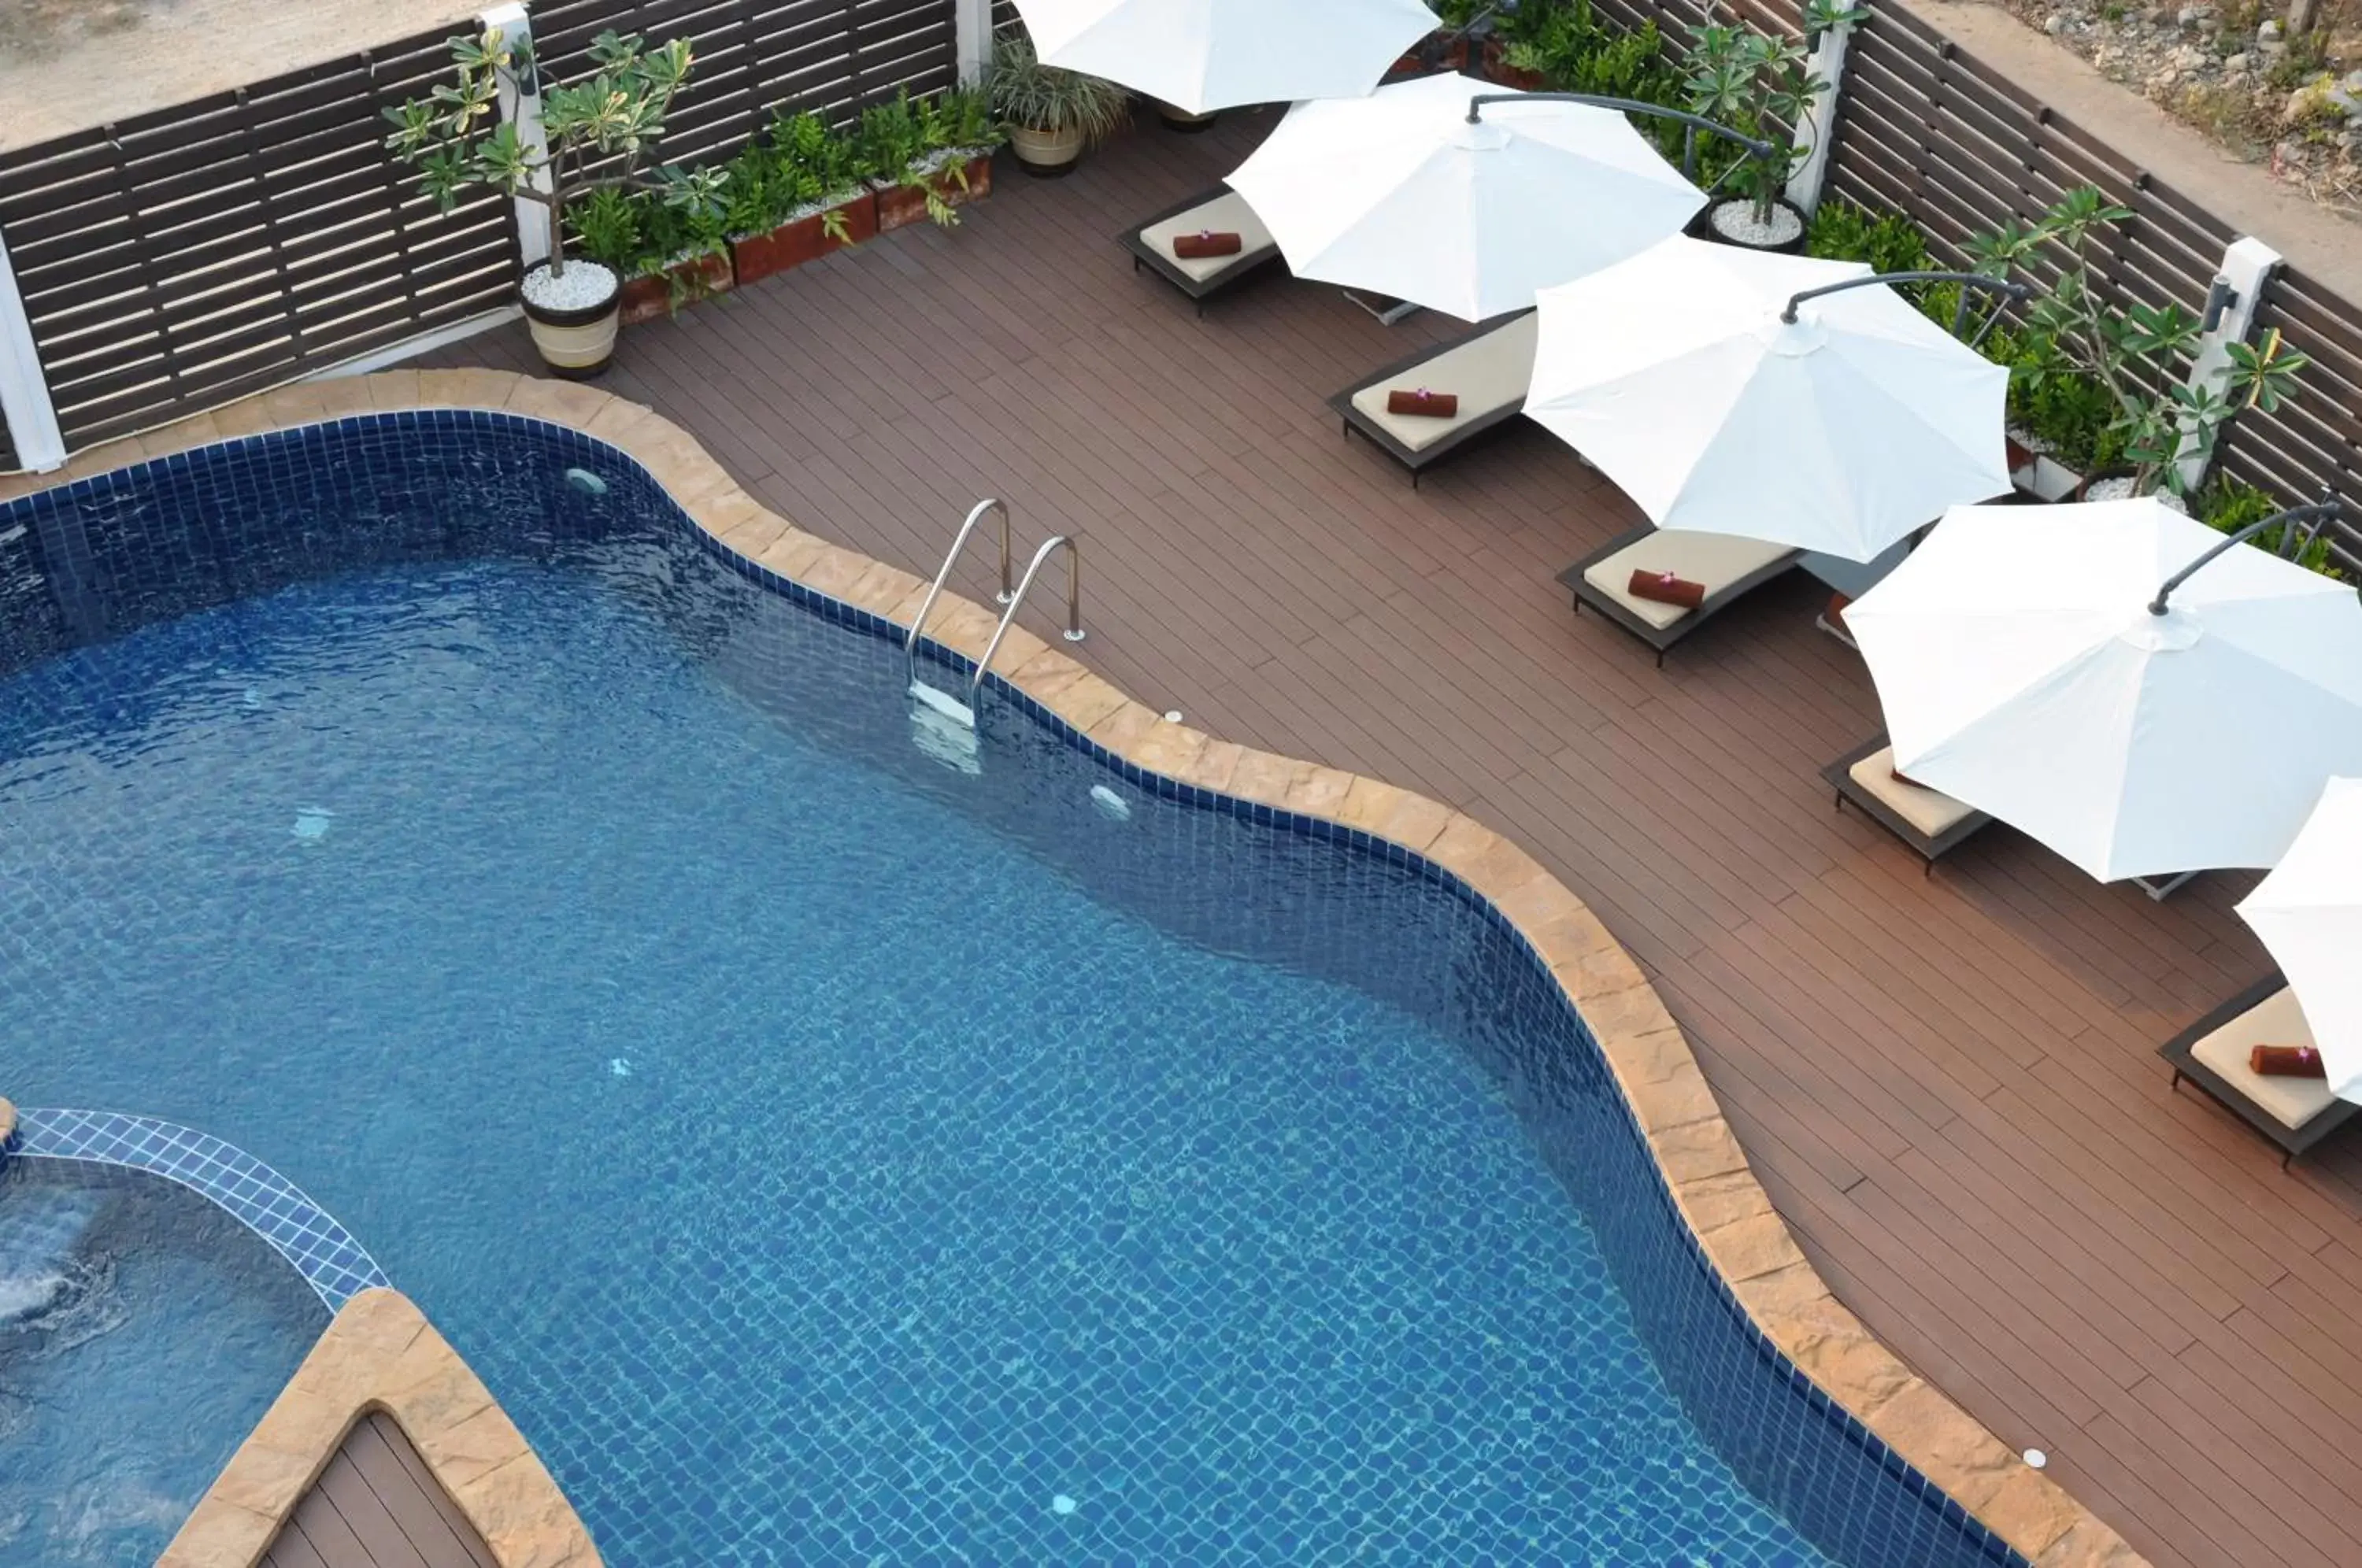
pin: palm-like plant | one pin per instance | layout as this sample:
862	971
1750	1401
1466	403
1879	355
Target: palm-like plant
599	133
2139	354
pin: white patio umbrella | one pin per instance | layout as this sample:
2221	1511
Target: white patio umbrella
2023	672
1398	194
1841	431
1203	55
2309	912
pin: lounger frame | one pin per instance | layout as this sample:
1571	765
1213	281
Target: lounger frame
1661	639
2291	1141
1840	777
1199	291
1354	419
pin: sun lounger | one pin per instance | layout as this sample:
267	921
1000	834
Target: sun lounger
1929	821
1488	370
1201	278
1726	565
2295	1113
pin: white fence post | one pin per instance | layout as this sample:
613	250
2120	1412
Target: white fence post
972	30
1816	131
521	106
24	389
2247	268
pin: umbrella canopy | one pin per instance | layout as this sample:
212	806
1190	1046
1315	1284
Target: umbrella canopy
1203	55
2022	672
1840	432
1398	194
2309	912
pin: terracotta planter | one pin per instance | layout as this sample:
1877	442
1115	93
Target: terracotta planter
644	299
806	239
1497	68
1440	50
575	344
900	206
1046	154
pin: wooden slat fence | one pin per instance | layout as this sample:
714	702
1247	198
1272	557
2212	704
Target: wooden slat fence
754	57
183	258
1928	130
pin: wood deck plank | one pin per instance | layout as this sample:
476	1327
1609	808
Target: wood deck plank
1947	1083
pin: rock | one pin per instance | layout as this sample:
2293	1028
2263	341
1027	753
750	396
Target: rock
2054	24
2194	15
2270	34
2236	65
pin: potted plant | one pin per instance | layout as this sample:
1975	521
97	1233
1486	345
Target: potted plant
795	198
1761	85
2133	360
1051	116
598	134
926	157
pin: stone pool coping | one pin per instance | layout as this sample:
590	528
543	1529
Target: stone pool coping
380	1353
1717	1194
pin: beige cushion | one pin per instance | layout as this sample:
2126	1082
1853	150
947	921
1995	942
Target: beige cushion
1929	811
1718	560
1226	214
2275	1020
1488	373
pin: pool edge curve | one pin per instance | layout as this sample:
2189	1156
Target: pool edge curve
1725	1208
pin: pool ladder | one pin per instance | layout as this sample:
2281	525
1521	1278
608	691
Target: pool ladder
945	702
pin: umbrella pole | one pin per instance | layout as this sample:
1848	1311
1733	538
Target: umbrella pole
2013	292
2317	513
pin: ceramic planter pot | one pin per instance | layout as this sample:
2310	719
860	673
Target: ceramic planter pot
805	238
900	205
644	299
1046	154
1182	120
576	344
1739	211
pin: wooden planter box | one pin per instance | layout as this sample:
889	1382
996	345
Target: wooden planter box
900	206
804	240
644	299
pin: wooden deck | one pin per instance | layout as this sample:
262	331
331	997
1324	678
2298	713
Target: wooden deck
377	1506
1948	1084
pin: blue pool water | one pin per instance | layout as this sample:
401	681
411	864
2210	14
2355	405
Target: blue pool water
826	1155
142	1334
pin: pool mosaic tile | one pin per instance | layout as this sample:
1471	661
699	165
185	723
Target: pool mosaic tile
323	1252
959	1417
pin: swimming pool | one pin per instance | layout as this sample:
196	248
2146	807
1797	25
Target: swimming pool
825	1153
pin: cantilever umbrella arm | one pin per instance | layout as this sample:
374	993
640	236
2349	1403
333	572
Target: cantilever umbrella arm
1691	124
2012	291
2292	544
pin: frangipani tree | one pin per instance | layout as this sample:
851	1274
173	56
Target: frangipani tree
600	132
2141	354
1763	84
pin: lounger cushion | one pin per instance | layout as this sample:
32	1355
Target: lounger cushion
2275	1020
1487	373
1226	214
1718	560
1930	812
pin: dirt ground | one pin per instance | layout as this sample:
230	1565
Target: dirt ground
66	65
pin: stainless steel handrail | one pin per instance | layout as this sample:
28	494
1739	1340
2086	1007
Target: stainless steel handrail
926	606
1074	632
